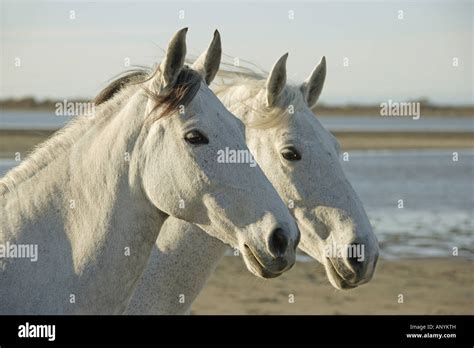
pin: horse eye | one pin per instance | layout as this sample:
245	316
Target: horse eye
291	154
195	137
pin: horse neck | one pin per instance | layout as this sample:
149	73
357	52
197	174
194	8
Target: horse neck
84	197
101	181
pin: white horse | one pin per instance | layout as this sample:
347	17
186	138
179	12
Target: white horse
300	158
93	198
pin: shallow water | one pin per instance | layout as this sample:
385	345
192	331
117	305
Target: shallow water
18	119
437	193
397	124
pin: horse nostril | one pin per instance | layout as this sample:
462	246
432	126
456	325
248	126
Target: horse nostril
278	242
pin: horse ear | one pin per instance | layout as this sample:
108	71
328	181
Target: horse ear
174	60
208	63
313	85
276	81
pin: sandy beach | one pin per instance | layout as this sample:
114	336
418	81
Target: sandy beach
428	286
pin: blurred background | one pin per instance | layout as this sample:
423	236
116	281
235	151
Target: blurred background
377	52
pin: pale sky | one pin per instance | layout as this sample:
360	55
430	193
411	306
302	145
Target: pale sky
389	58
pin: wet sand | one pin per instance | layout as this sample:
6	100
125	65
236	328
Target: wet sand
428	286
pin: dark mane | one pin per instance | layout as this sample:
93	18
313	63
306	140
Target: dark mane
118	84
184	90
